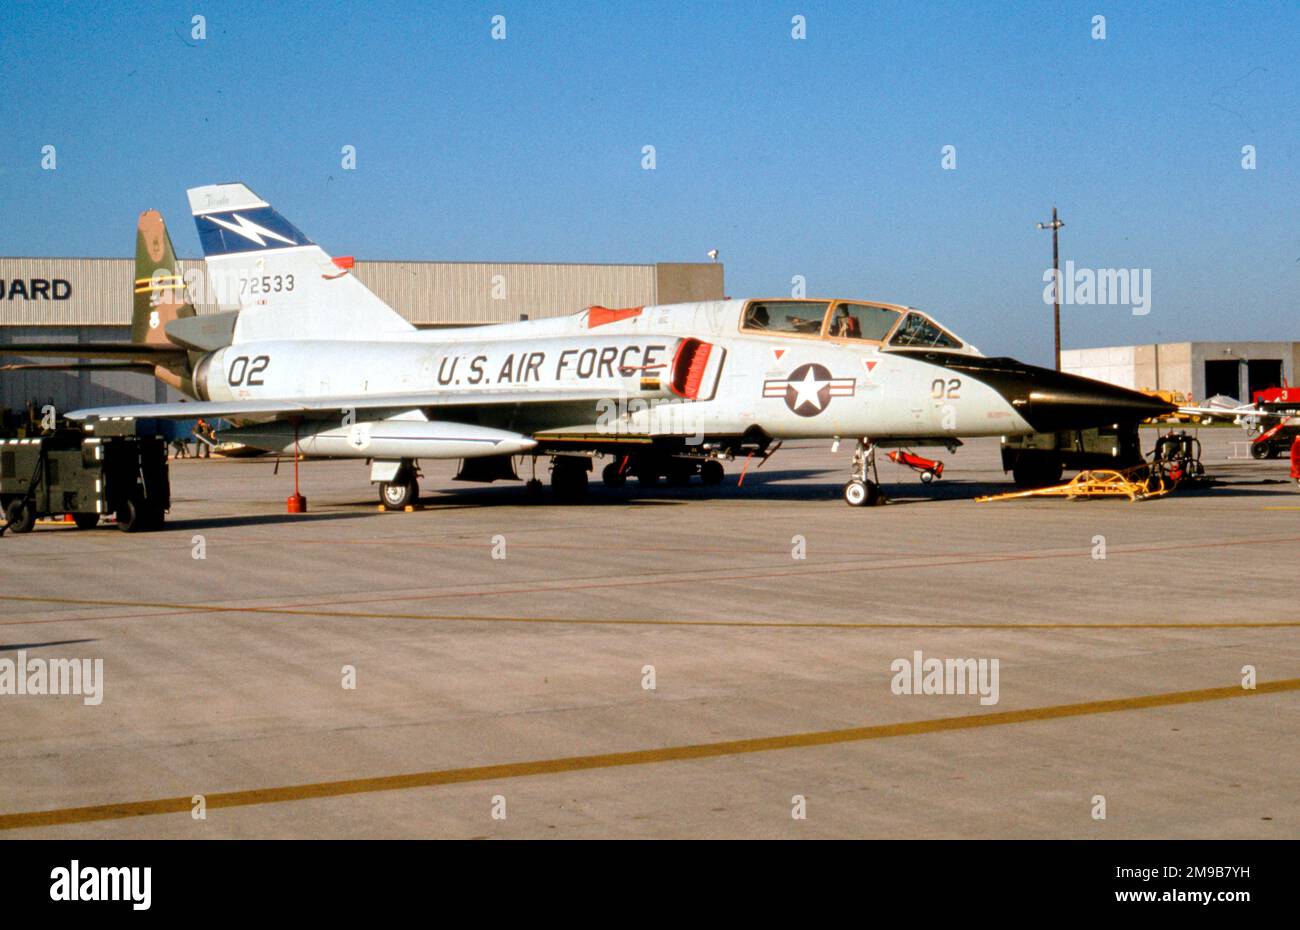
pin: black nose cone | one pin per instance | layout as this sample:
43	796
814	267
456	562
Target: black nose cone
1057	401
1052	400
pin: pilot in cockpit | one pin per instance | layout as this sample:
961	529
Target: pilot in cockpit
846	324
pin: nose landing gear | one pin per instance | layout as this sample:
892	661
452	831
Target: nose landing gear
861	490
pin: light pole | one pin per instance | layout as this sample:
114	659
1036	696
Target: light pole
1056	282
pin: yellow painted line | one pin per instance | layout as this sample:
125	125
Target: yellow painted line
334	789
617	621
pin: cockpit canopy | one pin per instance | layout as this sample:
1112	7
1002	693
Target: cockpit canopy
855	321
918	330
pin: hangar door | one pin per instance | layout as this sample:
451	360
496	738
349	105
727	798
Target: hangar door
1261	374
1223	376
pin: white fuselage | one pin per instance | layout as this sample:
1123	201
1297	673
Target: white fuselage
787	385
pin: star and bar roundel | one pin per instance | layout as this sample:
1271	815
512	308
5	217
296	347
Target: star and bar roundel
809	388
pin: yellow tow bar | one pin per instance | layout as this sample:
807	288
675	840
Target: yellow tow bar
1137	484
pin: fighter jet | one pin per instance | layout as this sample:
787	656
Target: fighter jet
310	360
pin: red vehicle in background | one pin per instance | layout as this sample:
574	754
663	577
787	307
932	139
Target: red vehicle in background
1284	403
1283	398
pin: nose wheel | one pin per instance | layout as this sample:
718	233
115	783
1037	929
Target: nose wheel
861	493
862	490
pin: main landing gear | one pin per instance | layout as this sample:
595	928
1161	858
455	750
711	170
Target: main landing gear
570	481
403	490
861	490
569	476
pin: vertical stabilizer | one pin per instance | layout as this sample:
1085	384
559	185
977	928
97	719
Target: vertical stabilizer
285	286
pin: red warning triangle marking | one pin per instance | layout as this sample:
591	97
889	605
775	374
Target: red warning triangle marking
777	353
871	365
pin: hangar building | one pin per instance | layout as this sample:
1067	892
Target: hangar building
82	299
1198	369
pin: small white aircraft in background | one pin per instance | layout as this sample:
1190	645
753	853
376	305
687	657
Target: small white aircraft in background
313	360
1272	421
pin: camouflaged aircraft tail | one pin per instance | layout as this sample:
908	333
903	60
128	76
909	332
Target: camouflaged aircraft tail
160	293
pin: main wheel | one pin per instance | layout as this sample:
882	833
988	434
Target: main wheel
20	516
568	481
712	472
612	477
86	521
395	495
927	476
1260	450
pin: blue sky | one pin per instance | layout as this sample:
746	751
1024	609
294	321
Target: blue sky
819	157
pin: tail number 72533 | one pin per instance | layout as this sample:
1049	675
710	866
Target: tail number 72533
266	284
